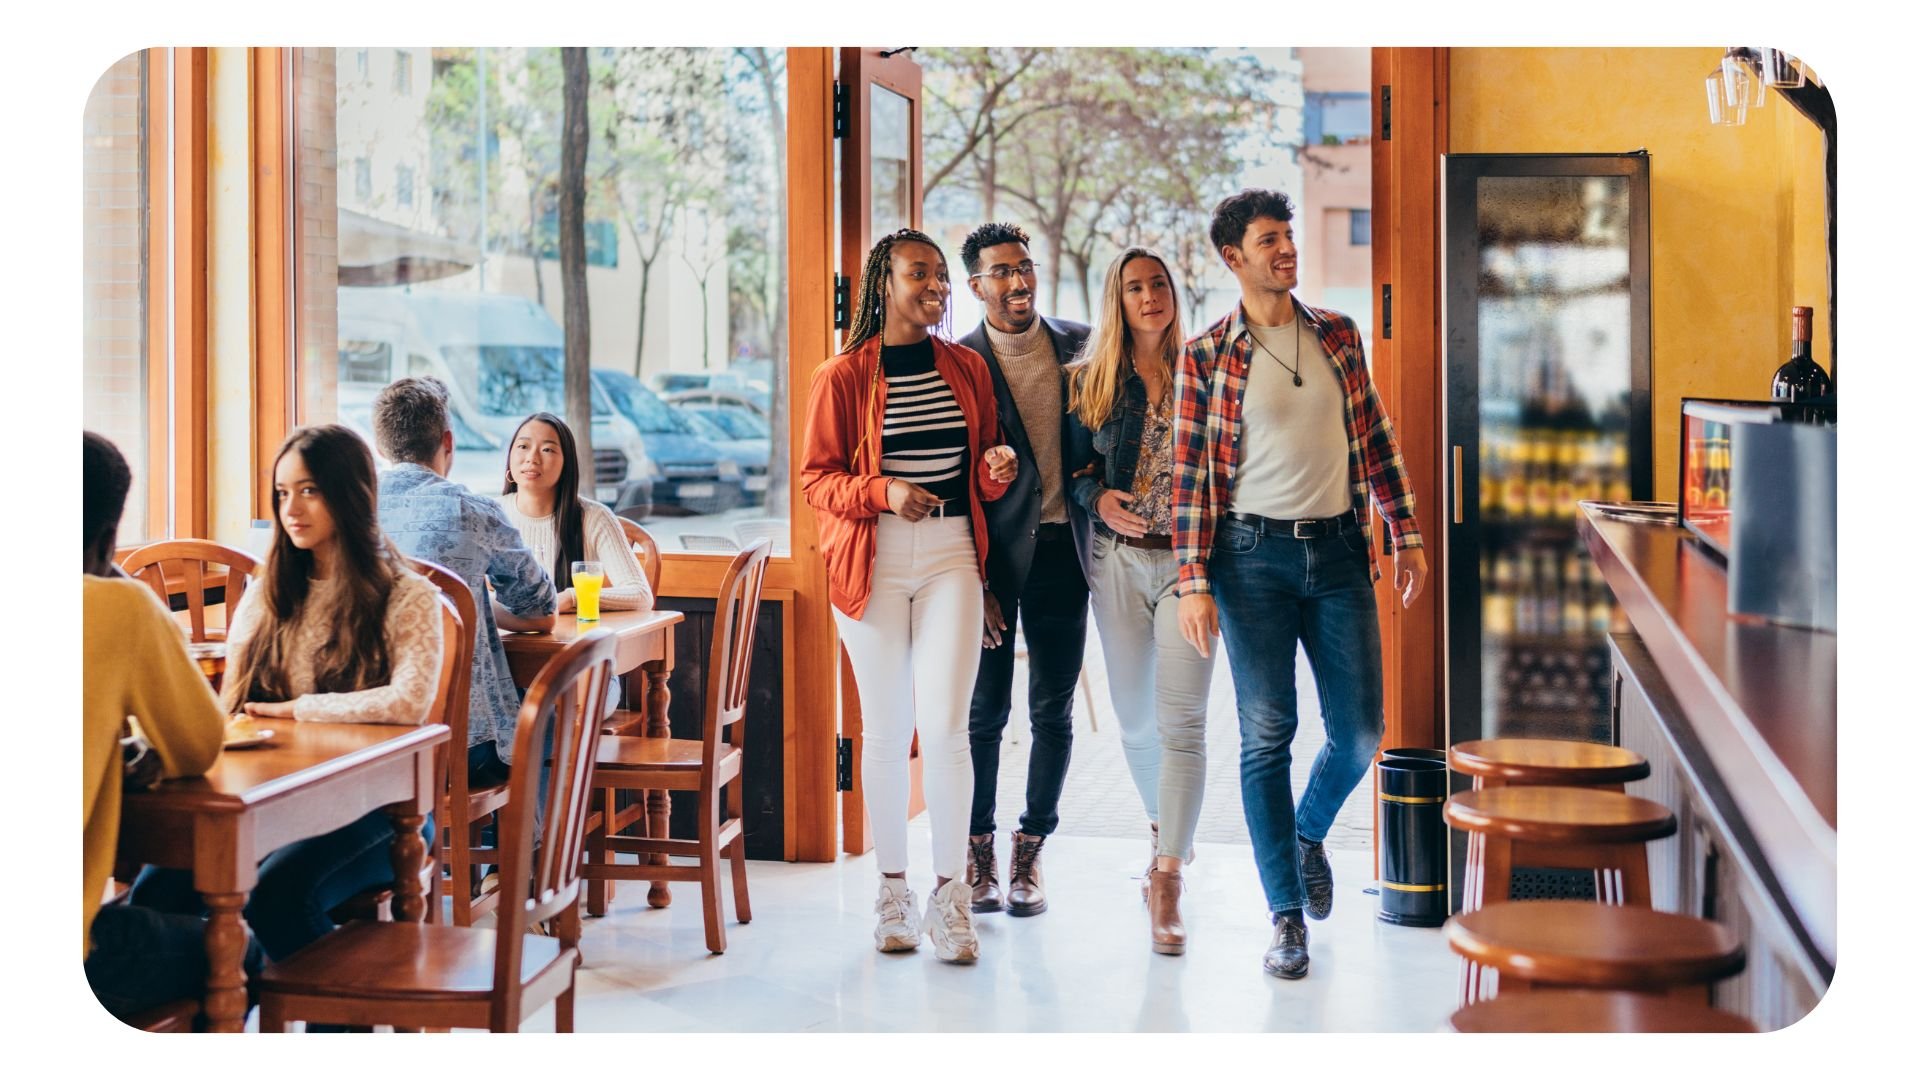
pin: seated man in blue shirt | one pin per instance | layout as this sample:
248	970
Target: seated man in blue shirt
430	517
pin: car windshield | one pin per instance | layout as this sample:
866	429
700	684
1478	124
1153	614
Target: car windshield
737	423
515	380
647	412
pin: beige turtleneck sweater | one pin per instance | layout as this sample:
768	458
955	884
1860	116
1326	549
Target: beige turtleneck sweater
1032	371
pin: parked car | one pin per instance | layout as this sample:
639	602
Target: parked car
690	474
501	357
739	433
673	382
747	399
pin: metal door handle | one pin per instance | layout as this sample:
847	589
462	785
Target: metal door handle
1459	511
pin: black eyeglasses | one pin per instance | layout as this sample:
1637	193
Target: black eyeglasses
1001	273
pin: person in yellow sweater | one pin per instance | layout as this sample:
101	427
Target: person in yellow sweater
135	665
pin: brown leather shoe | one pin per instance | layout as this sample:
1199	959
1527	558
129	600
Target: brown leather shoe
983	873
1163	911
1026	890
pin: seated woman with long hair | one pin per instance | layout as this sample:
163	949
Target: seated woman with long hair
562	528
340	630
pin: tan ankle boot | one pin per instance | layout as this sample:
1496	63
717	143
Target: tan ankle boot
1163	911
1026	888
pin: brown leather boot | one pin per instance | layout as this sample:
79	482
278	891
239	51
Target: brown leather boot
983	873
1026	890
1163	911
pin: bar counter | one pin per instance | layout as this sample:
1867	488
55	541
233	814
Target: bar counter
1746	710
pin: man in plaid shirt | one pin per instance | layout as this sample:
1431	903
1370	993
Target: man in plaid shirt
1279	439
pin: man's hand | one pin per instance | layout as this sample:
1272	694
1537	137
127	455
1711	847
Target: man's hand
996	623
1001	464
1409	574
269	710
564	602
1199	622
1112	507
909	500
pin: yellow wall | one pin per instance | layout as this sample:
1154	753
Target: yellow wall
1738	213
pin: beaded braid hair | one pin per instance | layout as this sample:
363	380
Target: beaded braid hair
870	310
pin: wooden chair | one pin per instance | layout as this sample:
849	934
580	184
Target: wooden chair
1583	945
628	807
1595	1010
702	765
465	809
439	976
644	549
167	563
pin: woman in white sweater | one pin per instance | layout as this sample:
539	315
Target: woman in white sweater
543	478
339	630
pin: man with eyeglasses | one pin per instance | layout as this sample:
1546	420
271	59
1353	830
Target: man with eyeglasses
1037	545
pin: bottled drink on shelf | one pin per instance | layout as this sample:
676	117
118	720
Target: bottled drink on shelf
1526	599
1497	609
1573	602
1540	480
1549	595
1566	456
1619	479
1599	602
1513	486
1801	379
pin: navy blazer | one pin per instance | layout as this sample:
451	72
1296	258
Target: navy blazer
1014	520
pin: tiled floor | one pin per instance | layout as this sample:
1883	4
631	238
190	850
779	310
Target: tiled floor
807	962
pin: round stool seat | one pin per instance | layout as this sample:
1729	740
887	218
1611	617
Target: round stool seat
1578	943
1547	761
1595	1010
1560	815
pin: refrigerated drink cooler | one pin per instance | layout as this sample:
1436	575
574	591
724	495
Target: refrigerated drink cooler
1549	381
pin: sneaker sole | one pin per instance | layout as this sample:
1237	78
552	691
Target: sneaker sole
982	907
1279	974
959	955
895	943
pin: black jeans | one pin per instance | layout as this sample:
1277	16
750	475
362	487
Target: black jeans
1052	612
142	958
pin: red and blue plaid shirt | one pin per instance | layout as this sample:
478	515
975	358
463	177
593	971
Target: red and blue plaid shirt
1208	390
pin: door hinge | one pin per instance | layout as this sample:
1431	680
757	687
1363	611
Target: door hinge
843	765
842	300
839	110
1386	114
1386	312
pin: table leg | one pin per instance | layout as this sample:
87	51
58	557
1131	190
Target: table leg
409	858
658	805
226	1003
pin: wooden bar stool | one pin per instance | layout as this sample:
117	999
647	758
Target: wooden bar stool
1557	762
1580	945
1595	1010
1568	828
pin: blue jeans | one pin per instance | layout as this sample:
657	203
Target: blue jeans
298	883
143	958
1273	591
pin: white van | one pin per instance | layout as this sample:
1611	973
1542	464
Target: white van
501	357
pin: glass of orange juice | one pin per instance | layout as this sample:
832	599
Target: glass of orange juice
587	580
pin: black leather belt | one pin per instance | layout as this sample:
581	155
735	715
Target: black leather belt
1300	528
1150	541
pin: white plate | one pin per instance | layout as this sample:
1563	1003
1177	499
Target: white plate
248	742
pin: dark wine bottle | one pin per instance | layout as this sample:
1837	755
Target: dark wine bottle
1800	379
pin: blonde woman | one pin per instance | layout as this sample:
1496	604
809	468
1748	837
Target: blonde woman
1121	388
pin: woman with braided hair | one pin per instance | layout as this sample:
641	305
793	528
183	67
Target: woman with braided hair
902	449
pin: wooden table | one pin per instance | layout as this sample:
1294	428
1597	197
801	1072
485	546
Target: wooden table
644	641
309	780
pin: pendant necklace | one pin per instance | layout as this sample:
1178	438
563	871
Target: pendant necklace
1295	369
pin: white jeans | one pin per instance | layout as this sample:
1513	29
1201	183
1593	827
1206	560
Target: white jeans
915	653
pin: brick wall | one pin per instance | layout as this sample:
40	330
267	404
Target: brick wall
318	233
114	237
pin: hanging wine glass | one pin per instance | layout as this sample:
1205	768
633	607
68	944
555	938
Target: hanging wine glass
1741	85
1779	69
1719	110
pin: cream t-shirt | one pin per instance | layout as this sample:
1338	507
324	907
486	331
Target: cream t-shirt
1293	441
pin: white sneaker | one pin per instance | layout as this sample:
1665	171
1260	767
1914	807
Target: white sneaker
950	922
899	929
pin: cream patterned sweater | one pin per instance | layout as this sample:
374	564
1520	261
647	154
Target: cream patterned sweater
626	588
413	652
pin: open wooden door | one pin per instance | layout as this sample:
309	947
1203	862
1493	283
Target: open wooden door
877	125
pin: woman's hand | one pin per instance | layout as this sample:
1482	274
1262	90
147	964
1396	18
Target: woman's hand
909	500
564	602
1001	464
1112	507
269	710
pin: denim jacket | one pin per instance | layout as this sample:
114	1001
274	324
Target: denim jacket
1113	451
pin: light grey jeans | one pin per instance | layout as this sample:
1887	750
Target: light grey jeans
1158	682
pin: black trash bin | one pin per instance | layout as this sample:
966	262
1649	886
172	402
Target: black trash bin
1412	789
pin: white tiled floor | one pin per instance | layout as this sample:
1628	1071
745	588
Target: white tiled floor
807	962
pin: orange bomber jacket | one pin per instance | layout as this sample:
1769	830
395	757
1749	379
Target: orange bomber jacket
840	467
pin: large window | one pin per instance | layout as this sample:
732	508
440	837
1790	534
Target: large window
439	254
115	346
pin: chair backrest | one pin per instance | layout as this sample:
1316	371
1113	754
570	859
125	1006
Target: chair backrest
188	560
645	550
736	611
454	590
569	696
